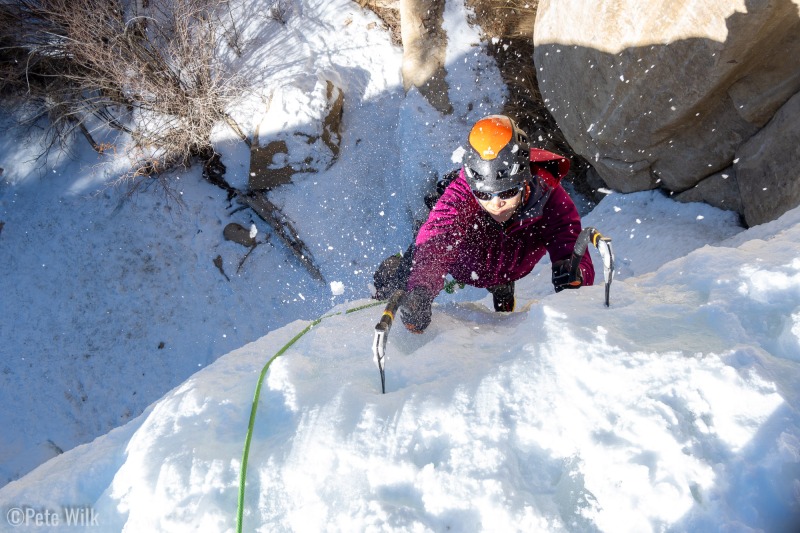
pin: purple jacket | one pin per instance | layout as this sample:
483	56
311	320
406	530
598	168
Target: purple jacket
461	239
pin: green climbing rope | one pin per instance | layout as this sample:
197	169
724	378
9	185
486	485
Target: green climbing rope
254	408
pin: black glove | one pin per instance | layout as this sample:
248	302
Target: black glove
385	277
392	274
416	311
562	279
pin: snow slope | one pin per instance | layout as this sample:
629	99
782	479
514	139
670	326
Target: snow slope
674	409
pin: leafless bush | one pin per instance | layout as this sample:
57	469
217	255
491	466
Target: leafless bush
279	11
148	68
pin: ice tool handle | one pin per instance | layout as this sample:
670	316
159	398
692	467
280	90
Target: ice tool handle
382	332
603	245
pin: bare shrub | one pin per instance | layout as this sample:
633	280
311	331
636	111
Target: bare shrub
280	11
147	68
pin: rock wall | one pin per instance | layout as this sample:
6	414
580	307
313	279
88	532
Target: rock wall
424	50
697	97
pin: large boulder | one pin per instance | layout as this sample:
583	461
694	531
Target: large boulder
668	94
768	167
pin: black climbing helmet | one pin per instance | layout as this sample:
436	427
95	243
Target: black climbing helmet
497	155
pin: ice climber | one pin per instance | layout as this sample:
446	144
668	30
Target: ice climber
493	222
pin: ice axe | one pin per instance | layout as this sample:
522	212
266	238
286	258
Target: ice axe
382	332
603	245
